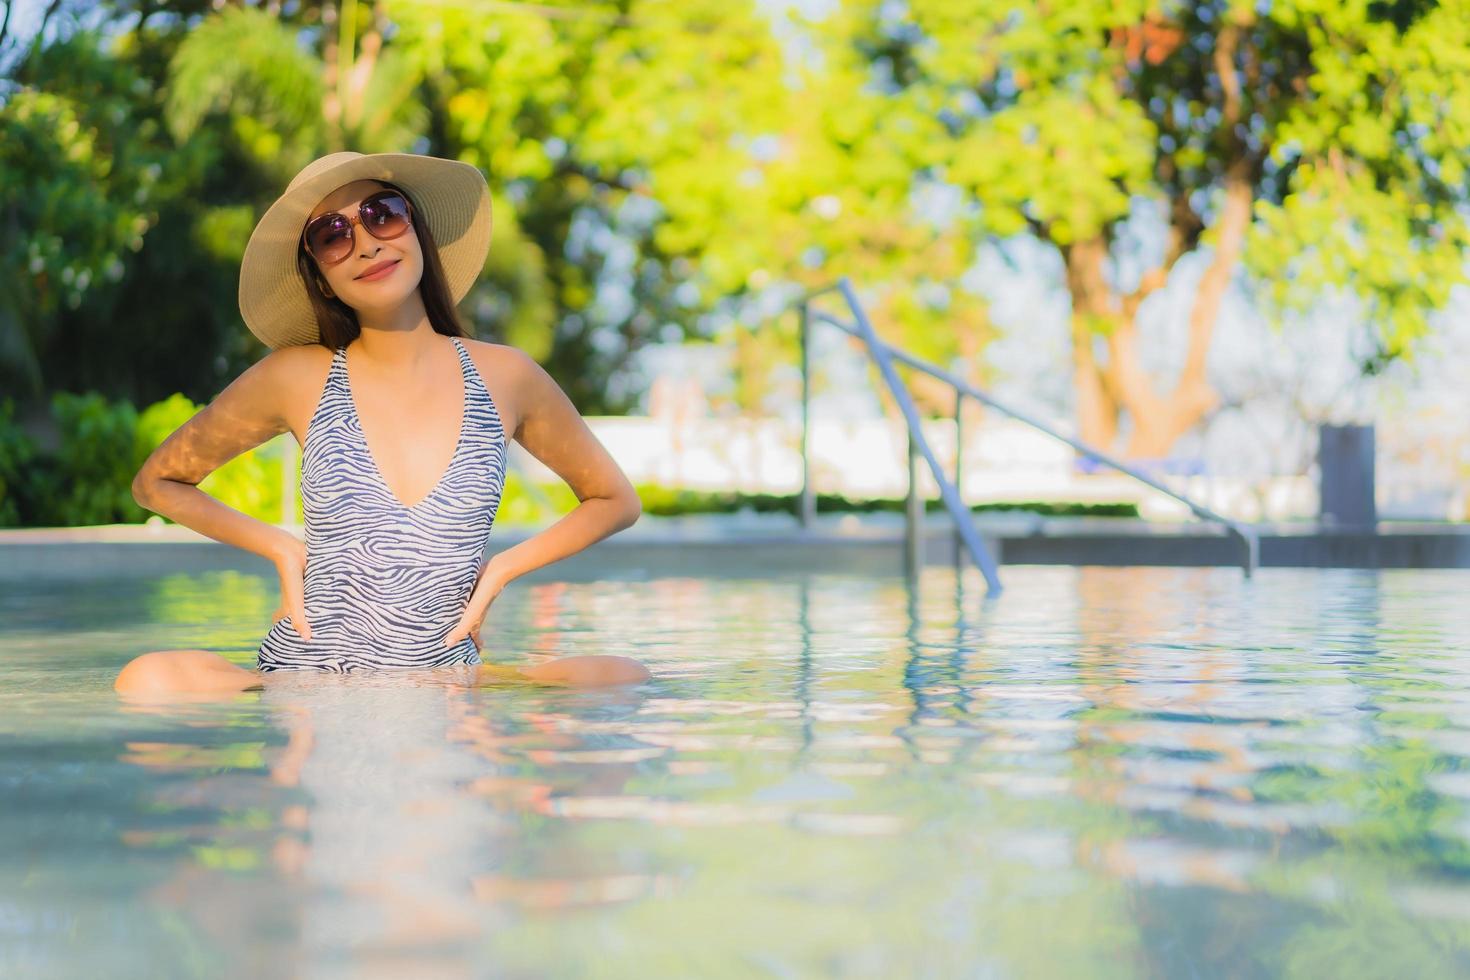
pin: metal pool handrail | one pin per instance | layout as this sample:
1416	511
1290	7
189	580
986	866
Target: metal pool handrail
884	355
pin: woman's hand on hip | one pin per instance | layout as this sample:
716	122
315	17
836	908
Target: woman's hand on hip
290	563
488	585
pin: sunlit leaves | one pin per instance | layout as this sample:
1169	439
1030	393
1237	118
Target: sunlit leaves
503	76
1354	122
77	179
246	63
681	100
1377	194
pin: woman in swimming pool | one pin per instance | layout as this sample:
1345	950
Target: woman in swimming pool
361	263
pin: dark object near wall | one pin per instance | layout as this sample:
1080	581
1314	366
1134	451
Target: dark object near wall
1345	465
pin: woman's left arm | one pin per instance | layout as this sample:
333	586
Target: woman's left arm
550	428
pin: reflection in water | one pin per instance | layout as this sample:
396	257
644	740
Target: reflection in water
1105	771
388	832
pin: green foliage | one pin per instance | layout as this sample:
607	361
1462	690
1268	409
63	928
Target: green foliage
518	307
1351	131
76	178
651	111
670	501
246	64
88	479
1375	205
523	503
158	421
1051	143
506	81
650	160
111	292
17	451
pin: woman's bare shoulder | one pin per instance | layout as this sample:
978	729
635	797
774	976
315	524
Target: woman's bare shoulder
293	372
501	355
287	382
298	358
503	368
270	396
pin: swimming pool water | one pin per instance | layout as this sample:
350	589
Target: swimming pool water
1105	772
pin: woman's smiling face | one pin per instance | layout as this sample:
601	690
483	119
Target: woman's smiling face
385	290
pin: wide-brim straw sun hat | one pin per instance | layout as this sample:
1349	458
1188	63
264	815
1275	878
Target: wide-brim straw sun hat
450	196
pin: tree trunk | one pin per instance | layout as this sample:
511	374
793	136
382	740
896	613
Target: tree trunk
1104	391
1159	422
1092	304
1122	384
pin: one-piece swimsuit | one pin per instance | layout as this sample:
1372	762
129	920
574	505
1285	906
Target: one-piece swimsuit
384	582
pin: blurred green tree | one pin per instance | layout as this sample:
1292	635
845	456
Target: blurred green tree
653	163
226	105
76	180
1312	146
567	105
779	163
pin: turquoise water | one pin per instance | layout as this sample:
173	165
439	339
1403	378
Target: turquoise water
1106	772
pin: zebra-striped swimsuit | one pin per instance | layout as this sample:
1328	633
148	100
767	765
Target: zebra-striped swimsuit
385	583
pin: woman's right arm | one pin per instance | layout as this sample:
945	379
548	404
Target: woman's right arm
251	410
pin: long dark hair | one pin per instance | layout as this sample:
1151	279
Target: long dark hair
338	321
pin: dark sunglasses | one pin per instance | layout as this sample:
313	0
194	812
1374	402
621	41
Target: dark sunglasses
384	215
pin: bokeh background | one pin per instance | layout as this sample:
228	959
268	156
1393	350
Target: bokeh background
1191	233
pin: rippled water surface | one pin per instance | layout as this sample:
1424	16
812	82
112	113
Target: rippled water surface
1105	772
